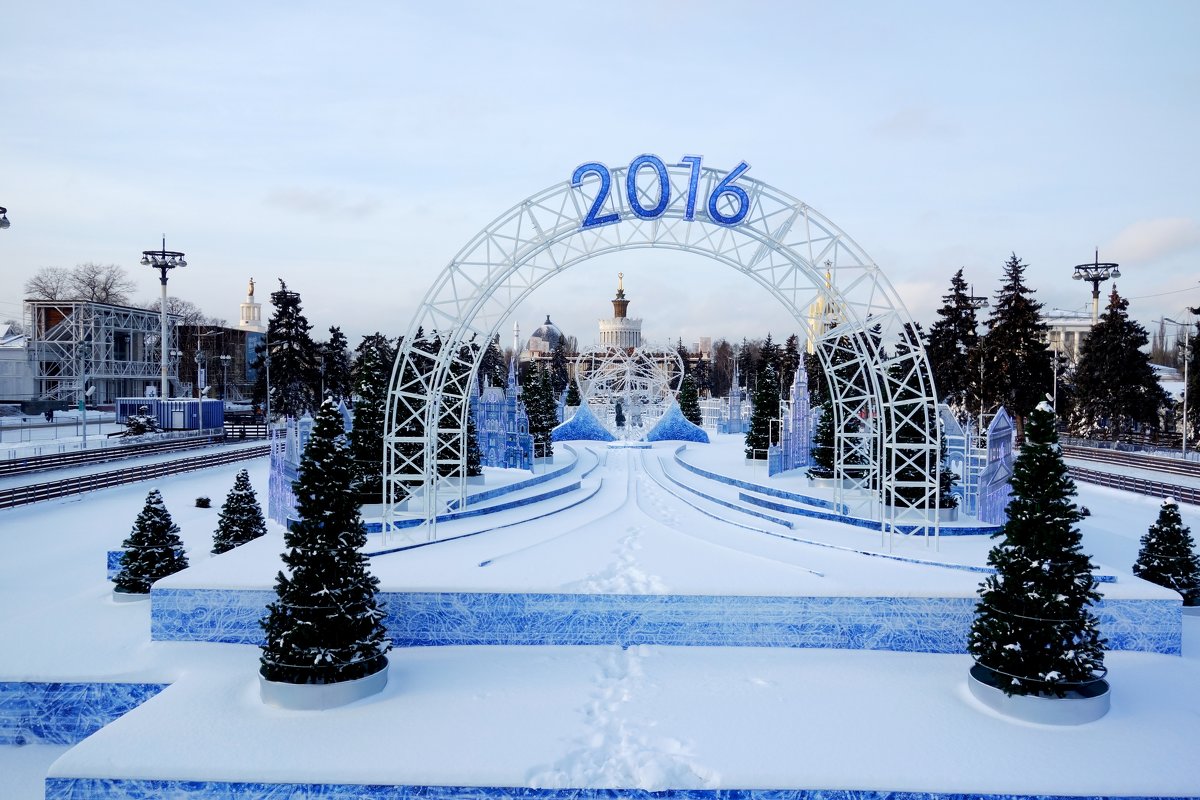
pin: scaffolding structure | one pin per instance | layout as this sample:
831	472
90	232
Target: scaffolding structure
75	345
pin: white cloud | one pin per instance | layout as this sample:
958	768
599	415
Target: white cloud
1152	239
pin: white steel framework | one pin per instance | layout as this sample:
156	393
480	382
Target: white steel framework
875	366
114	348
643	379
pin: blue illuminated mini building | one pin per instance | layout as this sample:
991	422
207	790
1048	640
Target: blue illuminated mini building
995	489
502	426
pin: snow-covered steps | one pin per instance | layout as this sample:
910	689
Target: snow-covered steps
804	508
57	712
641	723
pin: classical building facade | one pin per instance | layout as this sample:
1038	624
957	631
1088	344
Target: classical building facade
622	331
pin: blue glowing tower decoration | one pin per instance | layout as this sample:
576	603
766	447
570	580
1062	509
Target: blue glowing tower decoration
287	446
796	442
995	488
502	426
733	417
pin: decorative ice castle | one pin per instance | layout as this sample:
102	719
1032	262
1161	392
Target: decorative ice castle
502	425
735	413
795	447
984	473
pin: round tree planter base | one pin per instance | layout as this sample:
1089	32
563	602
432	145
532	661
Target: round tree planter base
318	696
1191	611
1078	707
129	597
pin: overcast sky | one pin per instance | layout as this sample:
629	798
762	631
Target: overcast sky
353	148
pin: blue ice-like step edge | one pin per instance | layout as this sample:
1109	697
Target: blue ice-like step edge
184	789
860	522
113	562
787	523
492	494
54	712
938	624
555	493
770	491
500	491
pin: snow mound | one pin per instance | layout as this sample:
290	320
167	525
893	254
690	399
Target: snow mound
583	426
673	426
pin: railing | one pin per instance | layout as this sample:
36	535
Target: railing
1184	494
34	493
20	465
1158	463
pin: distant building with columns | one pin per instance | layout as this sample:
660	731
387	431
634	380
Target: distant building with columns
621	332
251	313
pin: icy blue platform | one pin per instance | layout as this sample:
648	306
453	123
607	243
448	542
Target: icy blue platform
906	624
128	789
65	713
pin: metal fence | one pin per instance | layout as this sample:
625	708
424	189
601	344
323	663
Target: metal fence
34	493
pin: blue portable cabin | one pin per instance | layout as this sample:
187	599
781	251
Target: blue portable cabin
176	414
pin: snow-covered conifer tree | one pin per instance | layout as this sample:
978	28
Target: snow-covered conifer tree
1034	629
326	625
1168	555
240	518
689	401
153	548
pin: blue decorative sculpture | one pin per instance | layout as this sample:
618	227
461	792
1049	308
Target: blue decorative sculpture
795	447
673	426
583	426
995	488
502	426
734	417
287	446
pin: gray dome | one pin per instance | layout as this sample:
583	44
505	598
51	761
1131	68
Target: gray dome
549	333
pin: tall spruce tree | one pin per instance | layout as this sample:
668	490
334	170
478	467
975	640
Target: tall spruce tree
335	359
1116	389
823	442
153	548
954	347
1017	362
559	374
789	361
294	372
540	406
493	369
1034	628
1193	380
689	401
765	411
370	374
1168	555
240	519
326	625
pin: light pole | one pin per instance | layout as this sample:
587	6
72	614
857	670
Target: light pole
199	358
176	355
164	261
1186	331
4	223
225	359
977	302
1097	273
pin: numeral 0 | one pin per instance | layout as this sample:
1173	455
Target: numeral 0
726	186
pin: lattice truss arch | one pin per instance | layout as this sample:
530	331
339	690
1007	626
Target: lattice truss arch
877	371
645	379
74	340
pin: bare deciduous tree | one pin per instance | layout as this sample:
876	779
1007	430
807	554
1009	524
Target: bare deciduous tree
50	283
102	283
96	283
189	312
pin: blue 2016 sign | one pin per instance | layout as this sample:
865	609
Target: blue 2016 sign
725	187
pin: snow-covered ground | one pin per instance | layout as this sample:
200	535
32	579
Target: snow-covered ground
649	717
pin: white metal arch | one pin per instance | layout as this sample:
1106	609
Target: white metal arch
876	368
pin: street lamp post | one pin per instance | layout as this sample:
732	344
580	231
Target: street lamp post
176	355
199	358
4	223
1186	330
1097	273
225	359
164	261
